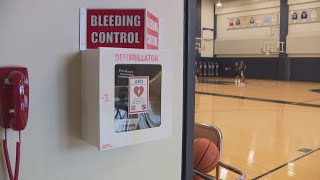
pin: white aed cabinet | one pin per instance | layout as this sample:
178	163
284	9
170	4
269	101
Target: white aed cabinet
126	96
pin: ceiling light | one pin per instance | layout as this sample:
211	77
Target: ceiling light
219	4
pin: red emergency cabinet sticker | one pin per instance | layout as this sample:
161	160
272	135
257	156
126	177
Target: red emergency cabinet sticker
115	28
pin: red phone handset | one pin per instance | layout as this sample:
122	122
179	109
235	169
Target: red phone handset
19	112
14	108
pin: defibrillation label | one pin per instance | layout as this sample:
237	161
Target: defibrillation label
138	94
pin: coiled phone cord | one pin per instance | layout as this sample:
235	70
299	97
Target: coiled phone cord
7	157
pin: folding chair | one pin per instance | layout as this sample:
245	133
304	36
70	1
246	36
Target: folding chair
214	134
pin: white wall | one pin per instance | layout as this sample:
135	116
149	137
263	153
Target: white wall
44	36
244	42
207	21
303	39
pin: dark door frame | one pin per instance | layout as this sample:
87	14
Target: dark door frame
189	55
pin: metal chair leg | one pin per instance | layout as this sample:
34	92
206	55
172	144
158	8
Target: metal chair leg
218	172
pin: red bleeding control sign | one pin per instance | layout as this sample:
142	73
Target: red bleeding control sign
152	41
123	28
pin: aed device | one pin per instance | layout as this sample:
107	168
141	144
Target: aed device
14	109
127	96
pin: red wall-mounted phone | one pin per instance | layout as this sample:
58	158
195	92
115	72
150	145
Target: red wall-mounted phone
14	109
14	97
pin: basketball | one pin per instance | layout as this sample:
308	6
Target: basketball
206	155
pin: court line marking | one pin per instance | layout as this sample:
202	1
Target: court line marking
261	99
285	164
308	100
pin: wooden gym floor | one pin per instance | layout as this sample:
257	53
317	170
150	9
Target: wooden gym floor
264	125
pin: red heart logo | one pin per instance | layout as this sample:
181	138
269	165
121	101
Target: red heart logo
138	90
